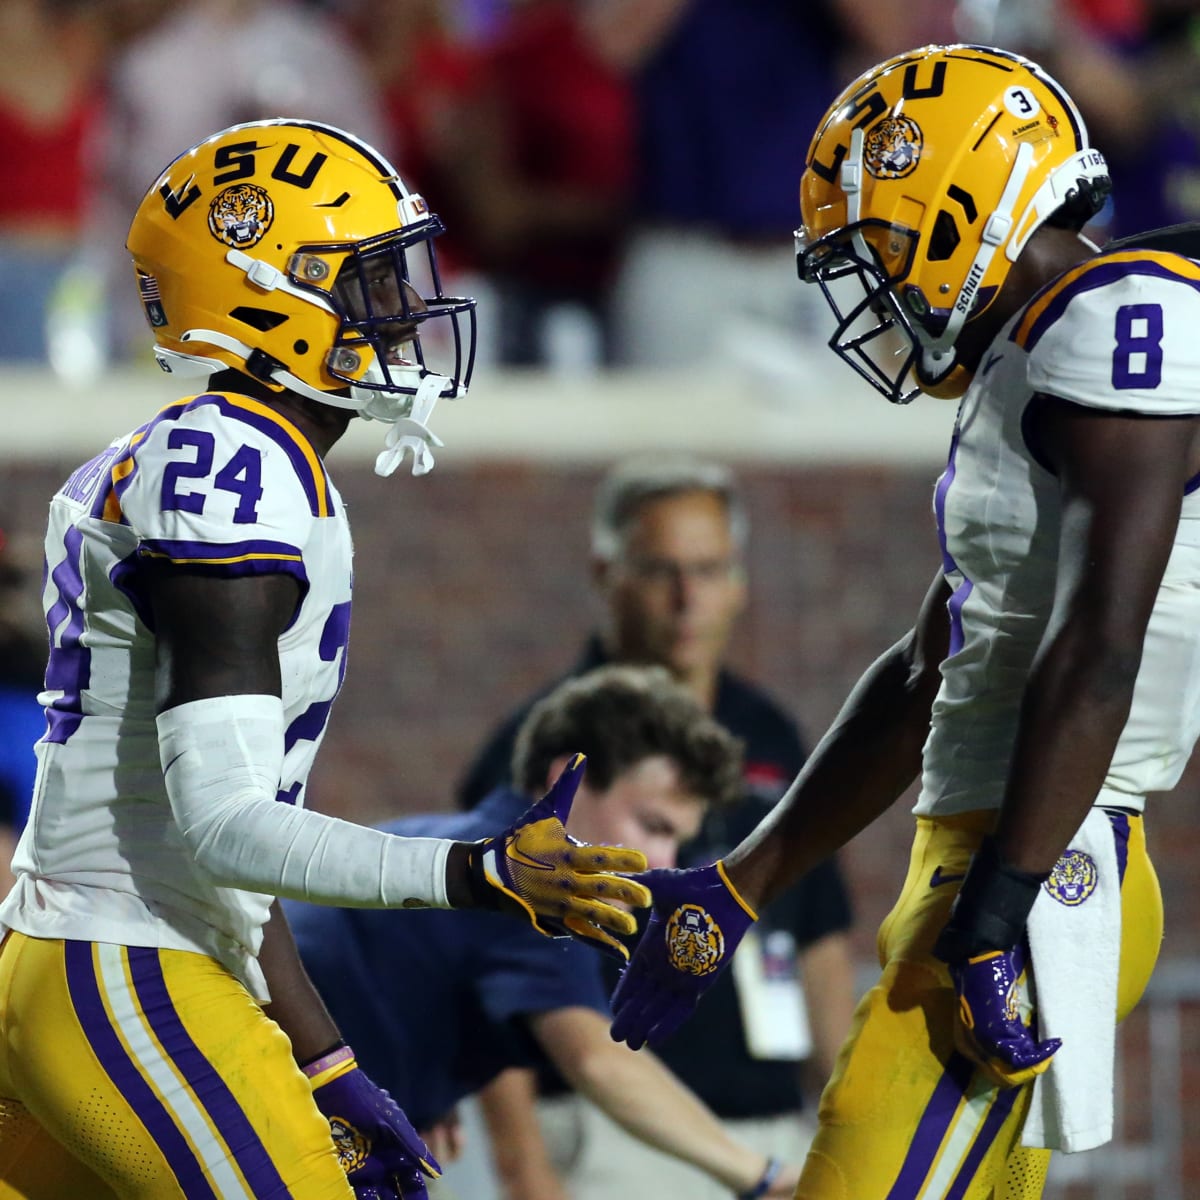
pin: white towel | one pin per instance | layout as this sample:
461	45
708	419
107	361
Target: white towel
1075	946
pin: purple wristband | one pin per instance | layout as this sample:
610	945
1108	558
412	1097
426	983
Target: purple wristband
339	1054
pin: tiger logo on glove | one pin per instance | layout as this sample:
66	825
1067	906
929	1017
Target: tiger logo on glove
695	943
352	1147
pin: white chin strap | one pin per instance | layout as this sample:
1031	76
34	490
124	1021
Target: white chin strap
409	434
406	413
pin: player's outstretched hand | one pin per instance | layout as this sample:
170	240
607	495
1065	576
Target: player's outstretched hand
990	1029
565	887
697	923
382	1154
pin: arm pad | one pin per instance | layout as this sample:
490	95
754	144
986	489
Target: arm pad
222	759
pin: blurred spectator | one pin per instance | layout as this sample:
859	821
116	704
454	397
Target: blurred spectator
185	69
23	650
727	92
49	103
529	137
1133	67
425	72
1144	109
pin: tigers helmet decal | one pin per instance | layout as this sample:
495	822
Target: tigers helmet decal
922	184
240	215
293	252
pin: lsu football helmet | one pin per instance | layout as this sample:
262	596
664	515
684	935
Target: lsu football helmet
293	252
923	183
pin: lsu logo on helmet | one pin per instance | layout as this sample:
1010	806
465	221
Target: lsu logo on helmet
240	215
695	943
1073	879
893	147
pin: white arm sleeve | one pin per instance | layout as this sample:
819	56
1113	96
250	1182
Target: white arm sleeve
221	760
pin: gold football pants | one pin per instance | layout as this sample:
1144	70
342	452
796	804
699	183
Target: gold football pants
148	1074
904	1116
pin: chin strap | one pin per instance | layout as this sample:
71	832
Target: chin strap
407	415
410	434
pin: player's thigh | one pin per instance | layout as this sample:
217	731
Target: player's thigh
1141	919
33	1166
905	1116
158	1071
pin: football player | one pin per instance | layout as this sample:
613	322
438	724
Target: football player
1051	680
197	594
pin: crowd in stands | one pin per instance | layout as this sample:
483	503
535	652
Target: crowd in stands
618	177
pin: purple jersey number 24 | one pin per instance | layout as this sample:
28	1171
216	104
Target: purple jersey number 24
241	475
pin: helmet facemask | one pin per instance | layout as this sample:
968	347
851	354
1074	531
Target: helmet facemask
873	334
384	313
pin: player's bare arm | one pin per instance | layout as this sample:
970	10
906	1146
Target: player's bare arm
865	761
639	1093
1122	479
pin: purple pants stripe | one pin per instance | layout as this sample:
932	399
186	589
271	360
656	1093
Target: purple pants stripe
89	1008
997	1115
202	1078
931	1129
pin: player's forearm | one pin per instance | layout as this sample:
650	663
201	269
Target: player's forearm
827	972
1076	704
644	1098
295	1004
222	759
868	757
519	1153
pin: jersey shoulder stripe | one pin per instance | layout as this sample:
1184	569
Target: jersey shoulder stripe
1051	302
306	463
233	560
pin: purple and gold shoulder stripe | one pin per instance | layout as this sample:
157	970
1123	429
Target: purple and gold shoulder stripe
1046	308
196	449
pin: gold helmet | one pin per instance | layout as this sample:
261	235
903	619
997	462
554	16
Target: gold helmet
293	252
923	183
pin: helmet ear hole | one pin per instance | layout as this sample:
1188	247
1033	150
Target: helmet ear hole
263	319
945	237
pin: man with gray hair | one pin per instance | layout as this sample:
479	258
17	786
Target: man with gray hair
669	536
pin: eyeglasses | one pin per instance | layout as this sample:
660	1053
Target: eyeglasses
662	571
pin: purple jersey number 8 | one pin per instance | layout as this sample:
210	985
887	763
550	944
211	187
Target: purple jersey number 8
1145	340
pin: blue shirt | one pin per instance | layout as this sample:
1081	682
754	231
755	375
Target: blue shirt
22	722
726	108
433	1001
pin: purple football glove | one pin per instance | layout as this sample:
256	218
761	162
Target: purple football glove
991	1029
697	923
982	943
565	887
382	1154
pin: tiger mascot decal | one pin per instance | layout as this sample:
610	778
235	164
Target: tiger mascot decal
695	943
240	215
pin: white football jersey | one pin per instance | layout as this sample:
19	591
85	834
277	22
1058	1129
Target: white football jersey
1116	333
220	484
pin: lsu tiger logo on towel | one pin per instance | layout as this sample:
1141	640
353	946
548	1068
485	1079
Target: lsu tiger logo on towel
1073	879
